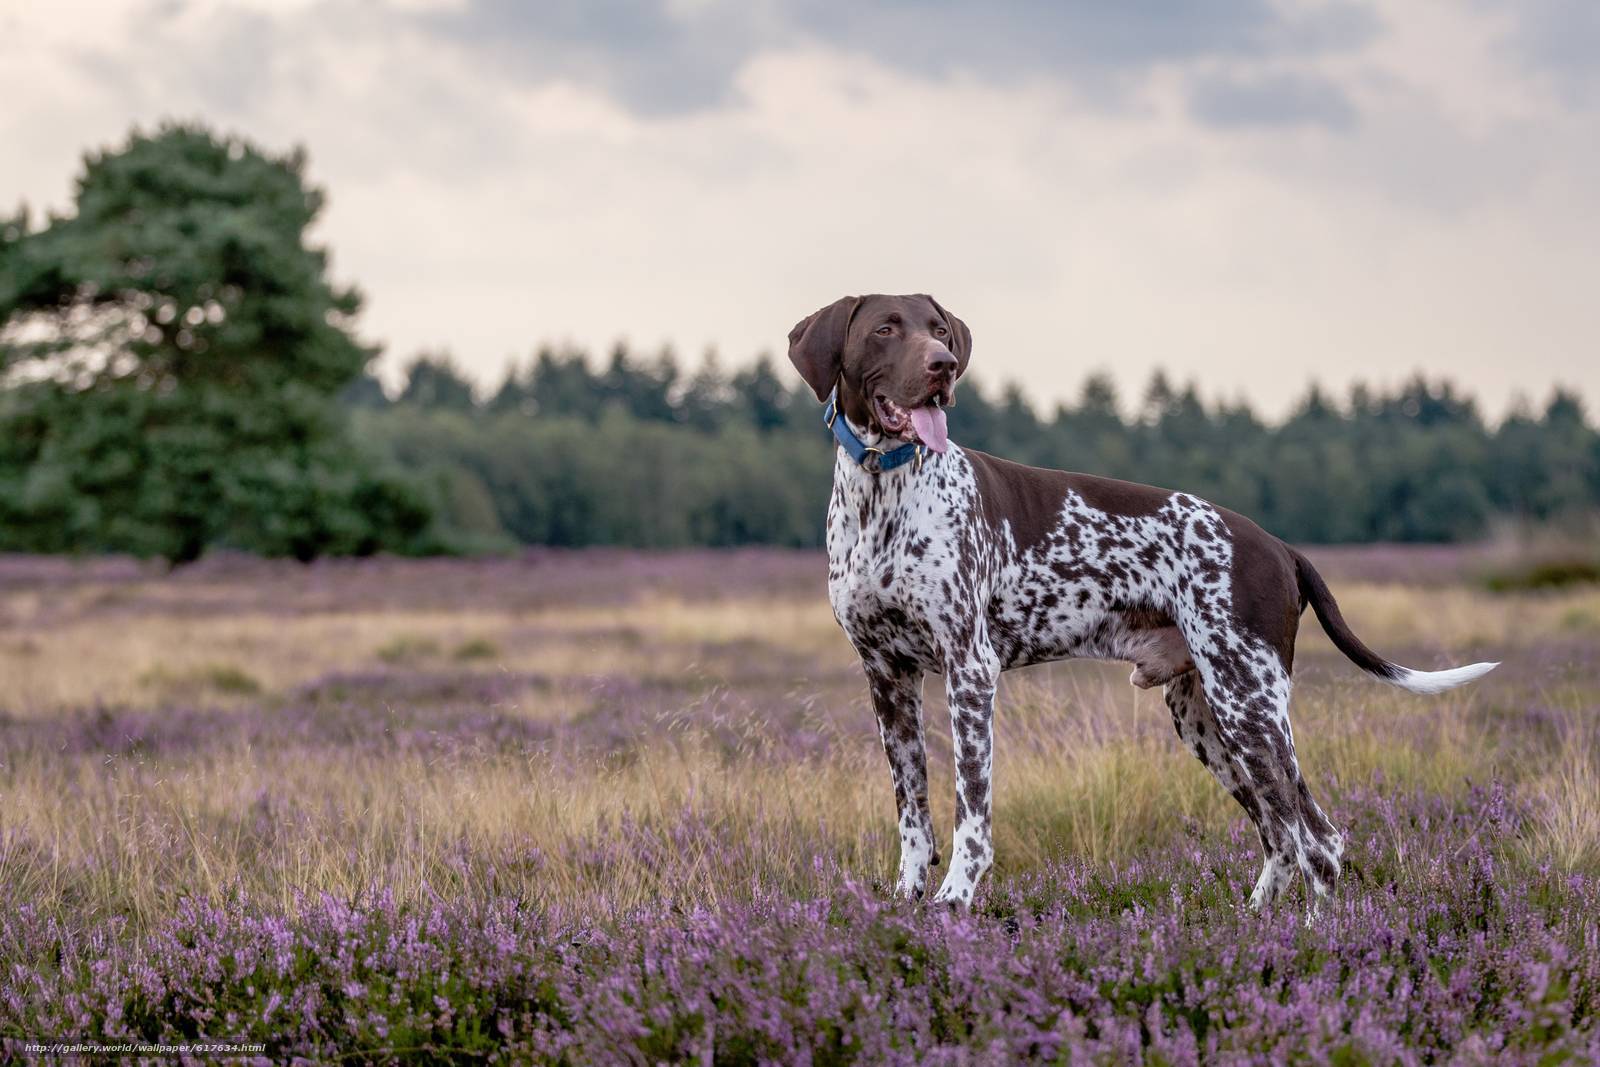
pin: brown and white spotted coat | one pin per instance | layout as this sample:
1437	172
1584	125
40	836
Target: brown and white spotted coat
966	565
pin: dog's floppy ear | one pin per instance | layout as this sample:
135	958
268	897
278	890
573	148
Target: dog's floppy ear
960	337
816	344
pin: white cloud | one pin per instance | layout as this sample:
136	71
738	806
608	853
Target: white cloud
1449	226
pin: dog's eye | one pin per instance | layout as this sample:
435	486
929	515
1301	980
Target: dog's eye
884	330
940	331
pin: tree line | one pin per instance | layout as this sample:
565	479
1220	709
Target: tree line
177	373
633	450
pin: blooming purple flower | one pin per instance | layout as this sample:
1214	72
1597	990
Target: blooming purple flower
1463	956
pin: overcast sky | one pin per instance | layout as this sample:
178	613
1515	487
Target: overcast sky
1250	193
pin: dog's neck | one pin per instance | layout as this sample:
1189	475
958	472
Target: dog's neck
870	491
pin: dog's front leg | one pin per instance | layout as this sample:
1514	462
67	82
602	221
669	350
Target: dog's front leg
970	688
897	700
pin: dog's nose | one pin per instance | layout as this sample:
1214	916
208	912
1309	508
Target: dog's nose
940	361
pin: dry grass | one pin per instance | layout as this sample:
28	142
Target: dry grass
1456	620
151	660
1566	826
1085	764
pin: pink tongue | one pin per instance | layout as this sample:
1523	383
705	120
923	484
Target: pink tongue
929	422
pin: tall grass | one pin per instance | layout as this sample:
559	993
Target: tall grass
565	759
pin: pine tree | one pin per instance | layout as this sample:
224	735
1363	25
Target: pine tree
171	352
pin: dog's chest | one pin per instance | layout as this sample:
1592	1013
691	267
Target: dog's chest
897	545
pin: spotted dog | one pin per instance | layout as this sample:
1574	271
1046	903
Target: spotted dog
950	561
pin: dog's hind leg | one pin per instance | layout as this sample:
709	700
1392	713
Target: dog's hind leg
1199	729
897	700
1238	605
1248	745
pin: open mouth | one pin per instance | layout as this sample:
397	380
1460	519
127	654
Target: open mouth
924	424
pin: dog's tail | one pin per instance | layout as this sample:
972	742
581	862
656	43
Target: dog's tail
1314	591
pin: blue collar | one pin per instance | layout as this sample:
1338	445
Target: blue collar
861	452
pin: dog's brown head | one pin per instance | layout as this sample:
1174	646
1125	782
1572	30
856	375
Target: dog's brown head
895	360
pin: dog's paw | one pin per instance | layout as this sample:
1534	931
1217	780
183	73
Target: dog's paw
911	889
956	898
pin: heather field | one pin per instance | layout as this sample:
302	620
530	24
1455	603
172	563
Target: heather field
612	807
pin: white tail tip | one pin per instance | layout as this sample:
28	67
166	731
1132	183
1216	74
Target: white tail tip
1439	681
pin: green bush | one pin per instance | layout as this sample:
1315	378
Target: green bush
1544	574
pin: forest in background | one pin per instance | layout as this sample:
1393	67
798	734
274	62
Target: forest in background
632	450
